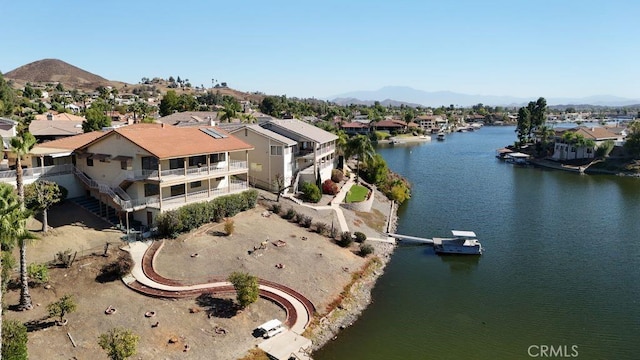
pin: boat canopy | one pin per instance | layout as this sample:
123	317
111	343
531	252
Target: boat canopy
518	155
463	233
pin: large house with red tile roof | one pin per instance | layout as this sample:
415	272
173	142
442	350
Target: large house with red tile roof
390	125
142	170
565	150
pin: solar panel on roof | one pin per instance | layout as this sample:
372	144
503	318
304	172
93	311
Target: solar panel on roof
213	133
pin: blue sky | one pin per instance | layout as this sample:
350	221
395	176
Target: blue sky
551	48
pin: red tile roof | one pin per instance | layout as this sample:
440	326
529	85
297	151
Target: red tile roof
73	142
355	125
391	123
166	141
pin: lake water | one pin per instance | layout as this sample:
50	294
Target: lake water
561	265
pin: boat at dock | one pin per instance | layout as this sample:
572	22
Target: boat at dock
440	136
462	243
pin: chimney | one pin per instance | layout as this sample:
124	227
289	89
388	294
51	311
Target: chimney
162	125
212	122
50	116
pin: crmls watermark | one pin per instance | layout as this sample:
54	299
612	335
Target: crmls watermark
553	351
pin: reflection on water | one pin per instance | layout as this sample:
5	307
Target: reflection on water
461	263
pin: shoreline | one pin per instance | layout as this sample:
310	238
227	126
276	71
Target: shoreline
359	296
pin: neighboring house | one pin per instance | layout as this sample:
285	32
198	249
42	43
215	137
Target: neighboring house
47	130
391	126
190	118
313	152
273	155
430	123
568	151
355	128
146	169
53	116
7	131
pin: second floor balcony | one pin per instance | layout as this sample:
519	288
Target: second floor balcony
183	173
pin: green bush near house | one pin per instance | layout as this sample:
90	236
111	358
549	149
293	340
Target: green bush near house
189	217
311	192
357	193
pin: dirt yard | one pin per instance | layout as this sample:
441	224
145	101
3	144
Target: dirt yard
313	266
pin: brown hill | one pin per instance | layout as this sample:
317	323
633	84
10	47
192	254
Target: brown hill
53	71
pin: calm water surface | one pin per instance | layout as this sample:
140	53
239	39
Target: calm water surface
561	264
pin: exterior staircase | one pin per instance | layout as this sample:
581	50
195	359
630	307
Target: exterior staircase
92	205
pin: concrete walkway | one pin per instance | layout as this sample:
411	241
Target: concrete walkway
137	250
335	203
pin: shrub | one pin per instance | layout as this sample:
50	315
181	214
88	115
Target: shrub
360	237
337	175
14	340
192	216
311	192
119	343
365	249
116	269
38	273
321	228
305	220
333	233
66	258
62	307
229	226
290	214
247	288
8	263
330	187
345	239
169	224
275	208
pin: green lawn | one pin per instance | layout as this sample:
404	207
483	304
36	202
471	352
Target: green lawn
357	193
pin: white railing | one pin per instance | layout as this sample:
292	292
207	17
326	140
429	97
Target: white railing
179	172
235	186
237	165
197	171
37	172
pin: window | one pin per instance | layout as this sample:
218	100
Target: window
195	184
214	158
149	163
125	165
198	160
276	150
573	149
89	161
176	163
177	190
151	189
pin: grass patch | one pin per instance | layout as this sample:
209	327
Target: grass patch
357	193
374	219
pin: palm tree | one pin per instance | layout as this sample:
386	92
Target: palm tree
229	112
249	118
9	208
20	146
360	145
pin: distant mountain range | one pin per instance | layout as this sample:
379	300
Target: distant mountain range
411	96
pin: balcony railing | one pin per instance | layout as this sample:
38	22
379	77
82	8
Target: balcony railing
36	172
196	196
